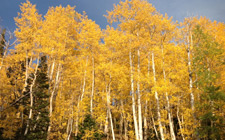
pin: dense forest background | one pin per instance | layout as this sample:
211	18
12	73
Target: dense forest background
63	77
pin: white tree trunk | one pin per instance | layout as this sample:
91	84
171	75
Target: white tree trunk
70	122
84	82
146	103
121	125
172	134
111	122
31	96
57	79
190	74
153	122
69	128
52	70
93	85
109	110
28	65
192	98
81	97
189	68
125	121
145	121
139	100
133	98
157	101
179	121
77	117
106	129
53	91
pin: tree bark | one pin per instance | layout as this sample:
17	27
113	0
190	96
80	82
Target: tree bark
81	98
139	100
125	121
77	118
106	129
121	125
109	110
145	121
170	117
179	121
157	100
70	121
93	85
146	103
31	96
133	98
153	121
53	91
190	72
51	98
28	64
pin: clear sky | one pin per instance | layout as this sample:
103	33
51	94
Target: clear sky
95	9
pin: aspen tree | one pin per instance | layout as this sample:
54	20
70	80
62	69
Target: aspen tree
58	42
28	22
166	36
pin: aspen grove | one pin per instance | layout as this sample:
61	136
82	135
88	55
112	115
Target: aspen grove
148	78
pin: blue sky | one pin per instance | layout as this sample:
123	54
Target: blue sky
95	9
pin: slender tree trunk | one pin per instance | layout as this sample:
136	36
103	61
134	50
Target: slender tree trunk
70	121
50	75
190	73
179	122
145	121
77	117
111	122
146	104
109	110
31	96
106	123
69	128
78	109
190	77
93	84
153	122
52	70
170	117
157	101
133	98
81	97
39	113
53	91
172	134
126	129
121	125
125	121
84	82
139	100
51	98
28	64
114	121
